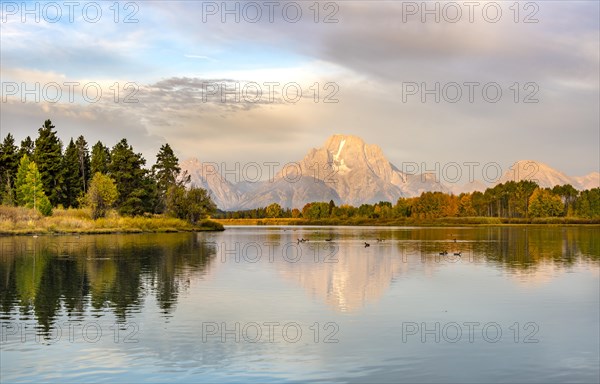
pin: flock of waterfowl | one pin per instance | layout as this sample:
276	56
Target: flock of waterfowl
446	253
303	240
366	244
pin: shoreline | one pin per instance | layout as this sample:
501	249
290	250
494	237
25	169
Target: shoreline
107	231
446	222
23	221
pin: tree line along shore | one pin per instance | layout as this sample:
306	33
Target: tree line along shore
522	202
45	189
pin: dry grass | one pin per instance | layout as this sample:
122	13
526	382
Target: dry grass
18	220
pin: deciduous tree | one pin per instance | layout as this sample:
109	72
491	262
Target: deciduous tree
30	188
101	195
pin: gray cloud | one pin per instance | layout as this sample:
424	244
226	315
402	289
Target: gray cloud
369	53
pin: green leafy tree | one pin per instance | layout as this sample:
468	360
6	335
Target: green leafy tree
83	156
100	159
199	204
48	155
191	205
101	195
30	188
430	205
544	203
402	207
569	195
525	189
175	201
273	210
479	203
316	210
465	205
588	203
72	182
20	180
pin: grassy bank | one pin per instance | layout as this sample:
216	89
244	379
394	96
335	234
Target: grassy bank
23	221
444	221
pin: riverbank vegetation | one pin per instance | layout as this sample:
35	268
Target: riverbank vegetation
23	221
44	188
521	202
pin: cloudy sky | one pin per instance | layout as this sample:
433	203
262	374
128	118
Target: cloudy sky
367	68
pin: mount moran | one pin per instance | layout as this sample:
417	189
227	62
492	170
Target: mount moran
349	171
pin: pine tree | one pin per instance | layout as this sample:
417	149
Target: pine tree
30	188
48	155
72	181
166	168
126	170
167	173
27	148
100	159
9	160
152	202
84	162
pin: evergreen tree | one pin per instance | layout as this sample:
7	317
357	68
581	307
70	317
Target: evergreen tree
27	147
167	168
100	159
9	164
126	169
48	157
83	155
30	188
167	173
152	202
331	207
72	181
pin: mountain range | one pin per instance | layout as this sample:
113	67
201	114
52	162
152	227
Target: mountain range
349	171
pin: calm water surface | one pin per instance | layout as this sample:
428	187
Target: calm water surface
251	304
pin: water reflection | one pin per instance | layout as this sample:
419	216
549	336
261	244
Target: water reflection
49	277
163	289
361	275
350	280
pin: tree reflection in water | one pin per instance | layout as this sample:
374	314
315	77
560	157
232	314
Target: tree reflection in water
45	276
